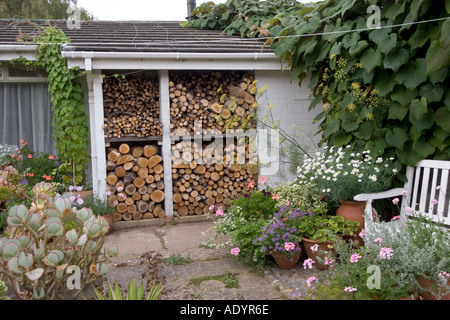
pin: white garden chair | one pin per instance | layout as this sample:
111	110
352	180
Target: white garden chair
426	192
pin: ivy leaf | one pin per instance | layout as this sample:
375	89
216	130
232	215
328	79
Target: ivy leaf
408	156
443	119
437	57
403	95
341	139
396	138
394	10
425	123
371	59
422	147
420	36
360	46
349	123
413	73
397	111
364	131
438	76
384	83
394	60
418	108
432	93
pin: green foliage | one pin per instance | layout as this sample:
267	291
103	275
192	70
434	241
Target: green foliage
48	238
132	293
324	228
242	222
177	259
229	279
40	9
3	290
70	119
100	207
381	89
301	196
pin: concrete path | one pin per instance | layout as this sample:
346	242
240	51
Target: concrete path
184	237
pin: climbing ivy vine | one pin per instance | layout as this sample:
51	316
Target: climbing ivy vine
382	89
69	117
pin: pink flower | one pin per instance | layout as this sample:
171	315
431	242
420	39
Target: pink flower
355	257
251	184
289	246
408	209
211	207
362	233
395	218
396	200
288	203
310	280
80	201
404	192
378	240
315	247
30	156
72	199
308	263
51	157
438	188
115	203
262	179
329	261
386	253
119	188
434	201
235	251
275	197
219	211
349	289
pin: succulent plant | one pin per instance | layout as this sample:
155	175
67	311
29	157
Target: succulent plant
46	239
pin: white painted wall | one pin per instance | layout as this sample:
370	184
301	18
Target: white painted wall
290	107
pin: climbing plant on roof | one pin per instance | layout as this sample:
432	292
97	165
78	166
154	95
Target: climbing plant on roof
381	89
69	117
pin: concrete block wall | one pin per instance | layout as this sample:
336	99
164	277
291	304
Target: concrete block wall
290	107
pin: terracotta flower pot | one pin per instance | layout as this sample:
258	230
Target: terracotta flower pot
322	246
353	211
284	262
431	290
109	218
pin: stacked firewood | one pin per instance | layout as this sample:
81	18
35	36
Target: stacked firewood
135	178
131	107
212	100
202	177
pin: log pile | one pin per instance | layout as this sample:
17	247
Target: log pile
197	186
213	100
131	107
135	180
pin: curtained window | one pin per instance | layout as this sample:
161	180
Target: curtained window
25	113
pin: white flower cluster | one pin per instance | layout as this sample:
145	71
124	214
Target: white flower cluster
342	165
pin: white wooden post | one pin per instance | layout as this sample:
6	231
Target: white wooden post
98	152
166	142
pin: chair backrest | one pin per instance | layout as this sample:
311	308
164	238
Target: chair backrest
428	190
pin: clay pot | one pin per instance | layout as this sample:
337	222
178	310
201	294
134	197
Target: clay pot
431	289
109	218
323	246
354	211
284	262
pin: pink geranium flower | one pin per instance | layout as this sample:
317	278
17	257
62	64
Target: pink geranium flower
355	258
219	211
315	247
275	197
386	253
310	280
308	263
235	251
289	246
251	184
262	179
349	289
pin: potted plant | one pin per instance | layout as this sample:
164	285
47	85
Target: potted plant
242	223
100	207
341	173
319	232
280	237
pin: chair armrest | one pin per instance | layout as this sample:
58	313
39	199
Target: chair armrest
381	195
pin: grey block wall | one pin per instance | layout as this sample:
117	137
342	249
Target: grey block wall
290	108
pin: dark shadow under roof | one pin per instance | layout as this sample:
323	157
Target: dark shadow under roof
137	36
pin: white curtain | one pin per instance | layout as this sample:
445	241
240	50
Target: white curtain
25	113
